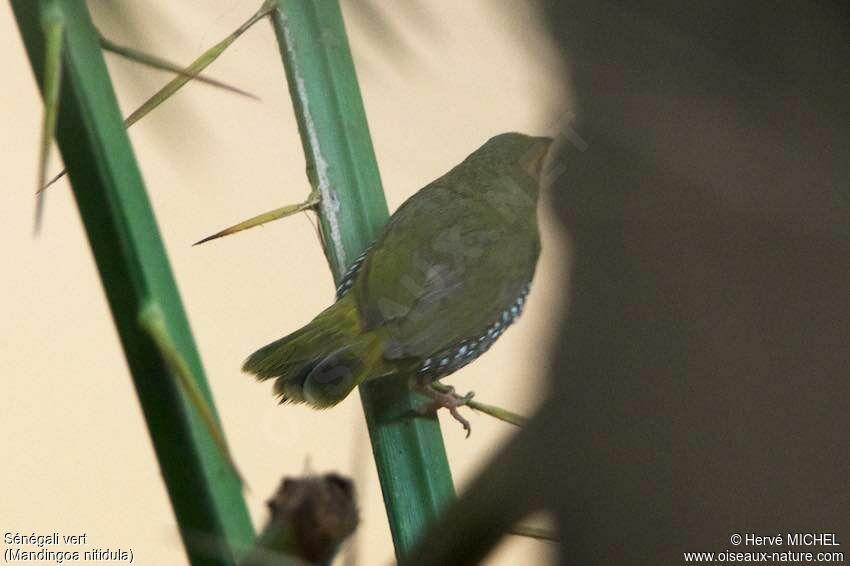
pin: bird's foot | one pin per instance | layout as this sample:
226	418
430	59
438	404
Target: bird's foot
444	397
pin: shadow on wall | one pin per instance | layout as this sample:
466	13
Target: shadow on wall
700	386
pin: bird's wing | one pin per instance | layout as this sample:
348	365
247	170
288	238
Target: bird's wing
443	271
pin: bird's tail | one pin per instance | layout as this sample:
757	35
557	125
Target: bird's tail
322	362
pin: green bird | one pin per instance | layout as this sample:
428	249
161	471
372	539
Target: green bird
448	274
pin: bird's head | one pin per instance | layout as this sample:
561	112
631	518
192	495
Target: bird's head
506	152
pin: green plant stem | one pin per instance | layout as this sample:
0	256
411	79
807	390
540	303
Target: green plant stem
408	448
134	269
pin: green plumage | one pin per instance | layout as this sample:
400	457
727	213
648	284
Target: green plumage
448	273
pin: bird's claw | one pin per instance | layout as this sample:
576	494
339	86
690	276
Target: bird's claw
445	397
459	418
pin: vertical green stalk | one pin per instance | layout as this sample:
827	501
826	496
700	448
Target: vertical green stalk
205	493
409	452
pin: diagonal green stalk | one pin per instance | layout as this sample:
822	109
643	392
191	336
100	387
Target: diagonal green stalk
161	64
152	321
122	232
202	62
408	448
54	27
497	413
265	218
192	71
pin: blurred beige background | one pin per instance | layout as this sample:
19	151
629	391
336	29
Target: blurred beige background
77	455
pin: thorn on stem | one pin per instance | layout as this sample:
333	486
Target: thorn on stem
265	218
